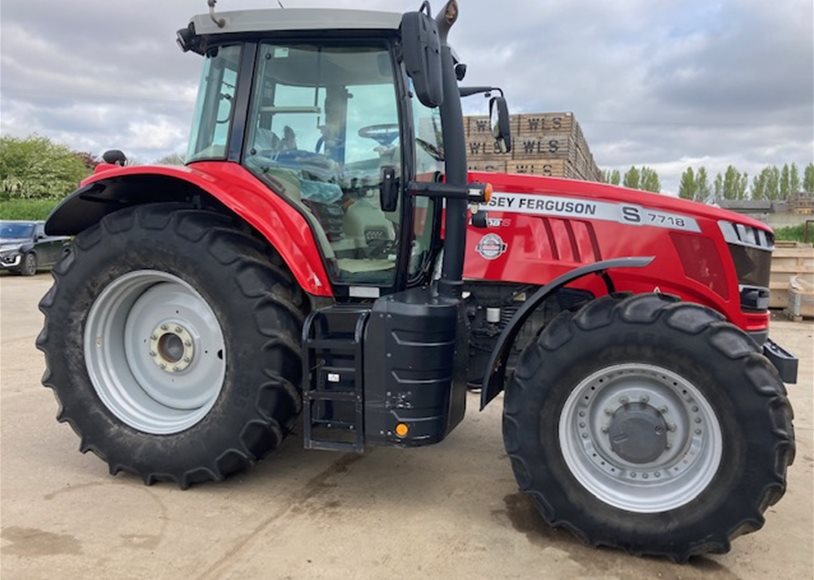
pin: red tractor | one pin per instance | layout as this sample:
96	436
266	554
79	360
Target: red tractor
324	252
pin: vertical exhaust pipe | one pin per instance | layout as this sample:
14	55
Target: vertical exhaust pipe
451	282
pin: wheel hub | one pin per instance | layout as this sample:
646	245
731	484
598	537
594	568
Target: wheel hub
171	347
638	433
154	351
640	437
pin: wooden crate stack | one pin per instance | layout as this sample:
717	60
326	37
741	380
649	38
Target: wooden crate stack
789	259
543	144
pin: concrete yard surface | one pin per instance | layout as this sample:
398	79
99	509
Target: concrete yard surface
448	511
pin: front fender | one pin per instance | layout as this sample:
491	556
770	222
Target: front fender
229	184
496	369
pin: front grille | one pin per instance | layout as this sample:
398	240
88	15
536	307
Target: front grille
753	265
751	251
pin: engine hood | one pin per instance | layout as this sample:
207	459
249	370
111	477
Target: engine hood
611	193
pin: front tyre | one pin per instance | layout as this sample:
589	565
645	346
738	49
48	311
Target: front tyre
29	267
649	425
171	341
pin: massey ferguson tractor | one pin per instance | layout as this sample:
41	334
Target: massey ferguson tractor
325	253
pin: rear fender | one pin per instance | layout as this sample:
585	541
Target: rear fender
228	184
496	369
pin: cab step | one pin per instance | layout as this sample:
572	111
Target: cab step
333	378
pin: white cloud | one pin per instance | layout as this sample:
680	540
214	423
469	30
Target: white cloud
667	83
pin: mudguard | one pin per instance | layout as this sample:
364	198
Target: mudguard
496	369
112	188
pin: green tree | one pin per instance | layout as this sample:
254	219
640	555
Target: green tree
719	186
773	183
616	177
36	167
794	179
702	186
759	184
785	182
808	178
731	183
687	188
632	178
650	180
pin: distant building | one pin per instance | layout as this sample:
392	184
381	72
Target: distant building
777	213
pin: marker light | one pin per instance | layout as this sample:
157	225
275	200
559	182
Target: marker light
402	430
487	192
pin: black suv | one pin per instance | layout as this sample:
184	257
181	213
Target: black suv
25	248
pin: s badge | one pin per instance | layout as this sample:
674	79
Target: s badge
491	246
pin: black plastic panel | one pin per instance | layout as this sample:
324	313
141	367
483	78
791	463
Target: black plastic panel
414	364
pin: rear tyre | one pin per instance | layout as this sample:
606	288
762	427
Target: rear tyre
28	267
650	425
172	344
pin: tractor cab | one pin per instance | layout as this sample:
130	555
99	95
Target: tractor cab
320	106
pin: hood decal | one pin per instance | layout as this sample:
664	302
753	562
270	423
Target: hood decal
572	207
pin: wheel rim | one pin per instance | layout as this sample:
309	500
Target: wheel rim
155	352
30	263
640	438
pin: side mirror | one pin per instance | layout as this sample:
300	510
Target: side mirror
114	157
389	190
501	123
421	52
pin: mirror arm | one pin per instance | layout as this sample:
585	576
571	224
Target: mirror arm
469	91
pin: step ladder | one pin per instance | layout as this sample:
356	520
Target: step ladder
333	385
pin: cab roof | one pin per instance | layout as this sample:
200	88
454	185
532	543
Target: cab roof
277	19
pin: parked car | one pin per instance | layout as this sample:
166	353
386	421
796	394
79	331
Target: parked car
25	248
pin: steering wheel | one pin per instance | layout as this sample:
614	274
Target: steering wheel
384	134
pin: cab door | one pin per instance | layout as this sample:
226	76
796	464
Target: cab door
326	122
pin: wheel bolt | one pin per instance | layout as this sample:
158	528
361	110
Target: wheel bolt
608	411
163	366
153	337
698	419
153	354
644	399
605	428
644	476
584	435
164	327
176	369
582	425
698	431
671	427
695	409
187	343
663	409
178	329
624	400
668	446
582	413
187	359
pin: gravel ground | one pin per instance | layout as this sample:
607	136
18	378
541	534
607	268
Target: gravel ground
448	511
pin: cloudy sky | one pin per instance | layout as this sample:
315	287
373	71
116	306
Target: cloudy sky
666	83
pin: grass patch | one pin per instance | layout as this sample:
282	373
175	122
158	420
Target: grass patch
790	233
26	209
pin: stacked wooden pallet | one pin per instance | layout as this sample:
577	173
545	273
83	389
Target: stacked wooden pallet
543	144
789	260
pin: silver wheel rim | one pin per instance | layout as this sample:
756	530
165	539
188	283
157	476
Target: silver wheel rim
595	424
154	351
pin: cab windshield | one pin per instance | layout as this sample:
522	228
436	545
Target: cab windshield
11	230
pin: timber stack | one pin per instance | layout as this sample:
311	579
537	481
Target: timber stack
542	144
